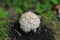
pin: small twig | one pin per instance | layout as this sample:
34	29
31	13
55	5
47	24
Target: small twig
18	32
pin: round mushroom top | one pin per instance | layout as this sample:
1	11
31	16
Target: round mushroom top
29	21
57	7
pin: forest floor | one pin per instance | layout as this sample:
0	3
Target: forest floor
55	25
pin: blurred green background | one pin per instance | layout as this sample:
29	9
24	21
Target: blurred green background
44	8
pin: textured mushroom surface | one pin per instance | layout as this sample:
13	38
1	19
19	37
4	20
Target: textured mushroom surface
29	21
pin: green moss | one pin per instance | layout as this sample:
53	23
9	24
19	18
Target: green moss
48	17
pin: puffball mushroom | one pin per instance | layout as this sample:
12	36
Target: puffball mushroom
29	21
30	27
58	11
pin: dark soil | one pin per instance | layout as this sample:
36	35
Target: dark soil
43	34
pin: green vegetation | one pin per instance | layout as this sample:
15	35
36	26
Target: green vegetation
21	6
49	16
3	30
3	13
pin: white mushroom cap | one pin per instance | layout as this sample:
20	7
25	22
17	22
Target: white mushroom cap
29	21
